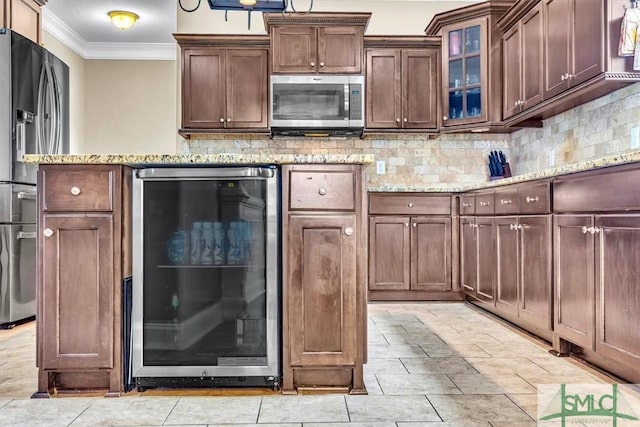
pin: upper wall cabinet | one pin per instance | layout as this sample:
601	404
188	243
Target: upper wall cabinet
571	56
402	82
471	64
23	16
316	43
224	83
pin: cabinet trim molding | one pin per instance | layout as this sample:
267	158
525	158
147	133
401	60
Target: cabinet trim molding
333	18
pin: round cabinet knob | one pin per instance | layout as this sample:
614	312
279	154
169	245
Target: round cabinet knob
322	191
348	231
398	120
405	120
228	119
512	227
313	64
322	64
221	120
515	103
415	225
563	77
584	230
406	224
445	118
410	205
75	190
47	232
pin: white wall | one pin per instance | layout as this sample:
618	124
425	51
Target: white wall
76	90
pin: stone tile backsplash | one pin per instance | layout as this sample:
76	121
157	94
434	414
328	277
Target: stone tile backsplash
415	162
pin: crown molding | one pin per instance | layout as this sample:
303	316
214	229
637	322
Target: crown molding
117	51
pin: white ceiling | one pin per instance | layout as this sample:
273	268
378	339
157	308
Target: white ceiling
83	25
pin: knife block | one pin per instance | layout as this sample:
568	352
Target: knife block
506	173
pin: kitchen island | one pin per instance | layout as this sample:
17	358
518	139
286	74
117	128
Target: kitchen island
85	253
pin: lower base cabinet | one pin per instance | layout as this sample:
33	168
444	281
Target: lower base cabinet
83	243
324	293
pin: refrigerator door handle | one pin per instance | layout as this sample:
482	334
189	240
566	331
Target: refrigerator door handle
40	124
57	109
26	195
26	235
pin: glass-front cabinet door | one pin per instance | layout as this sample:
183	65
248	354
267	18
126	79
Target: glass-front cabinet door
465	68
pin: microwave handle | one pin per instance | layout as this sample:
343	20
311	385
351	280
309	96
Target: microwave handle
346	101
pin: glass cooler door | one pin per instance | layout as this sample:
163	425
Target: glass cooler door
205	296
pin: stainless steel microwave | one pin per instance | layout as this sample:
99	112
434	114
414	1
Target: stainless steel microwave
317	102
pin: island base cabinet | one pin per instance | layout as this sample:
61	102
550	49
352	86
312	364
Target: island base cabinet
83	245
324	288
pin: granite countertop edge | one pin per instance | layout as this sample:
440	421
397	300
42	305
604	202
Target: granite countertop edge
199	159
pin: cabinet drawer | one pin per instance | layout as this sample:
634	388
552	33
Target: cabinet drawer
506	201
326	190
406	204
534	199
484	203
71	189
467	205
598	192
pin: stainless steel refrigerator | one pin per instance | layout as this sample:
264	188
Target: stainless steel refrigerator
34	119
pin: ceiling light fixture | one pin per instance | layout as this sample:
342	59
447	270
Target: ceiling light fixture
123	19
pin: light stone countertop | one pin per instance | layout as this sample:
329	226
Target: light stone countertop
200	159
617	159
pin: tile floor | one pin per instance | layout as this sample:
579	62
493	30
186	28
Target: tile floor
430	364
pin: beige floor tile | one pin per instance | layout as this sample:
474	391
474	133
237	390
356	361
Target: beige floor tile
438	365
19	388
139	411
365	424
417	384
42	412
255	425
304	409
506	365
212	410
477	407
390	366
381	351
414	338
455	350
526	402
461	423
371	383
390	408
491	384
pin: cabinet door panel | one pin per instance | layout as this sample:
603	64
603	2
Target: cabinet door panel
431	254
507	264
322	294
535	270
574	279
468	254
557	31
389	251
246	81
294	48
532	55
26	19
340	49
486	255
511	56
78	320
383	88
203	94
618	293
3	13
588	40
419	80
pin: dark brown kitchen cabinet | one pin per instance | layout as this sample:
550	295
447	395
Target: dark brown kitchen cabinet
478	257
224	83
316	43
84	254
324	310
573	36
24	17
410	247
522	49
507	265
471	64
402	83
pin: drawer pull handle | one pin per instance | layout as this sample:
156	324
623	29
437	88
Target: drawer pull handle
532	199
484	203
410	205
322	191
348	231
584	230
47	232
591	230
512	227
466	205
75	190
505	202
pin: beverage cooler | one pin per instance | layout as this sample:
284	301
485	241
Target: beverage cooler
206	299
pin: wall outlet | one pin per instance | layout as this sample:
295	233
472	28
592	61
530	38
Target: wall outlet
552	158
635	137
380	167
